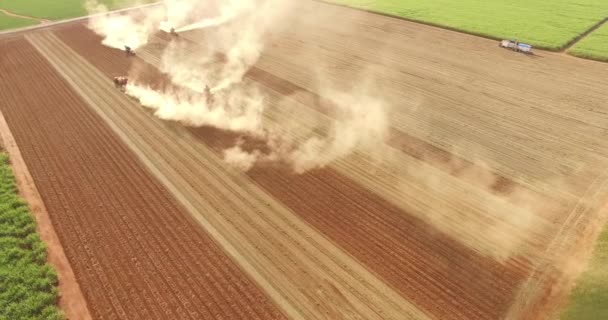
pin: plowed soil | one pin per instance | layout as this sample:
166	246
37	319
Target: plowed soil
430	269
135	253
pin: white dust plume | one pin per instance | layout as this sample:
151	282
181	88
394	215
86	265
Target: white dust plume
132	28
239	109
228	10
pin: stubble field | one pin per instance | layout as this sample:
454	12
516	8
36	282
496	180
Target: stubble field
492	174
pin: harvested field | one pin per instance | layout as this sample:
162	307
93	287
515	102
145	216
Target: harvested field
488	178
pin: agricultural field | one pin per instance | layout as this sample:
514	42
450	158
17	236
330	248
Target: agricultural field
29	284
594	46
364	169
10	22
544	24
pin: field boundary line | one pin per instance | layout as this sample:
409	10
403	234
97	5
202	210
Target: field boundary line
582	36
563	48
430	24
71	298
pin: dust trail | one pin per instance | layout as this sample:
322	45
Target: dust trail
228	10
132	28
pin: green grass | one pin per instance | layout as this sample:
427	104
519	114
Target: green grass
45	9
594	46
58	9
28	285
542	23
7	22
589	299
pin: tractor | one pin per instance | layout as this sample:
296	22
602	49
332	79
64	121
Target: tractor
121	82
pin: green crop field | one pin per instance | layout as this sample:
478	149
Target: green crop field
44	9
58	9
7	22
589	299
594	46
544	24
28	285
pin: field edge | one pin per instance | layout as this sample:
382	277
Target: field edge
561	48
71	299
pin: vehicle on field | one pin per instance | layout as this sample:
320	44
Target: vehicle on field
129	51
121	82
208	95
516	46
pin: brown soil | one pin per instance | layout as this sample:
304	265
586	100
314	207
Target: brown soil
134	251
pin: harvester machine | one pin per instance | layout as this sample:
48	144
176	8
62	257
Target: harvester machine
121	82
129	51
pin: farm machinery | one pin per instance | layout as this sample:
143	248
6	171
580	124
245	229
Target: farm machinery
129	51
515	46
121	82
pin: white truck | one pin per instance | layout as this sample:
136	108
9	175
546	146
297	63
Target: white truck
516	46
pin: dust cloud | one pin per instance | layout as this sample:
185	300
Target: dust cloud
207	81
131	29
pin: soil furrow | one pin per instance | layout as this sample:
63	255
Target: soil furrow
76	161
